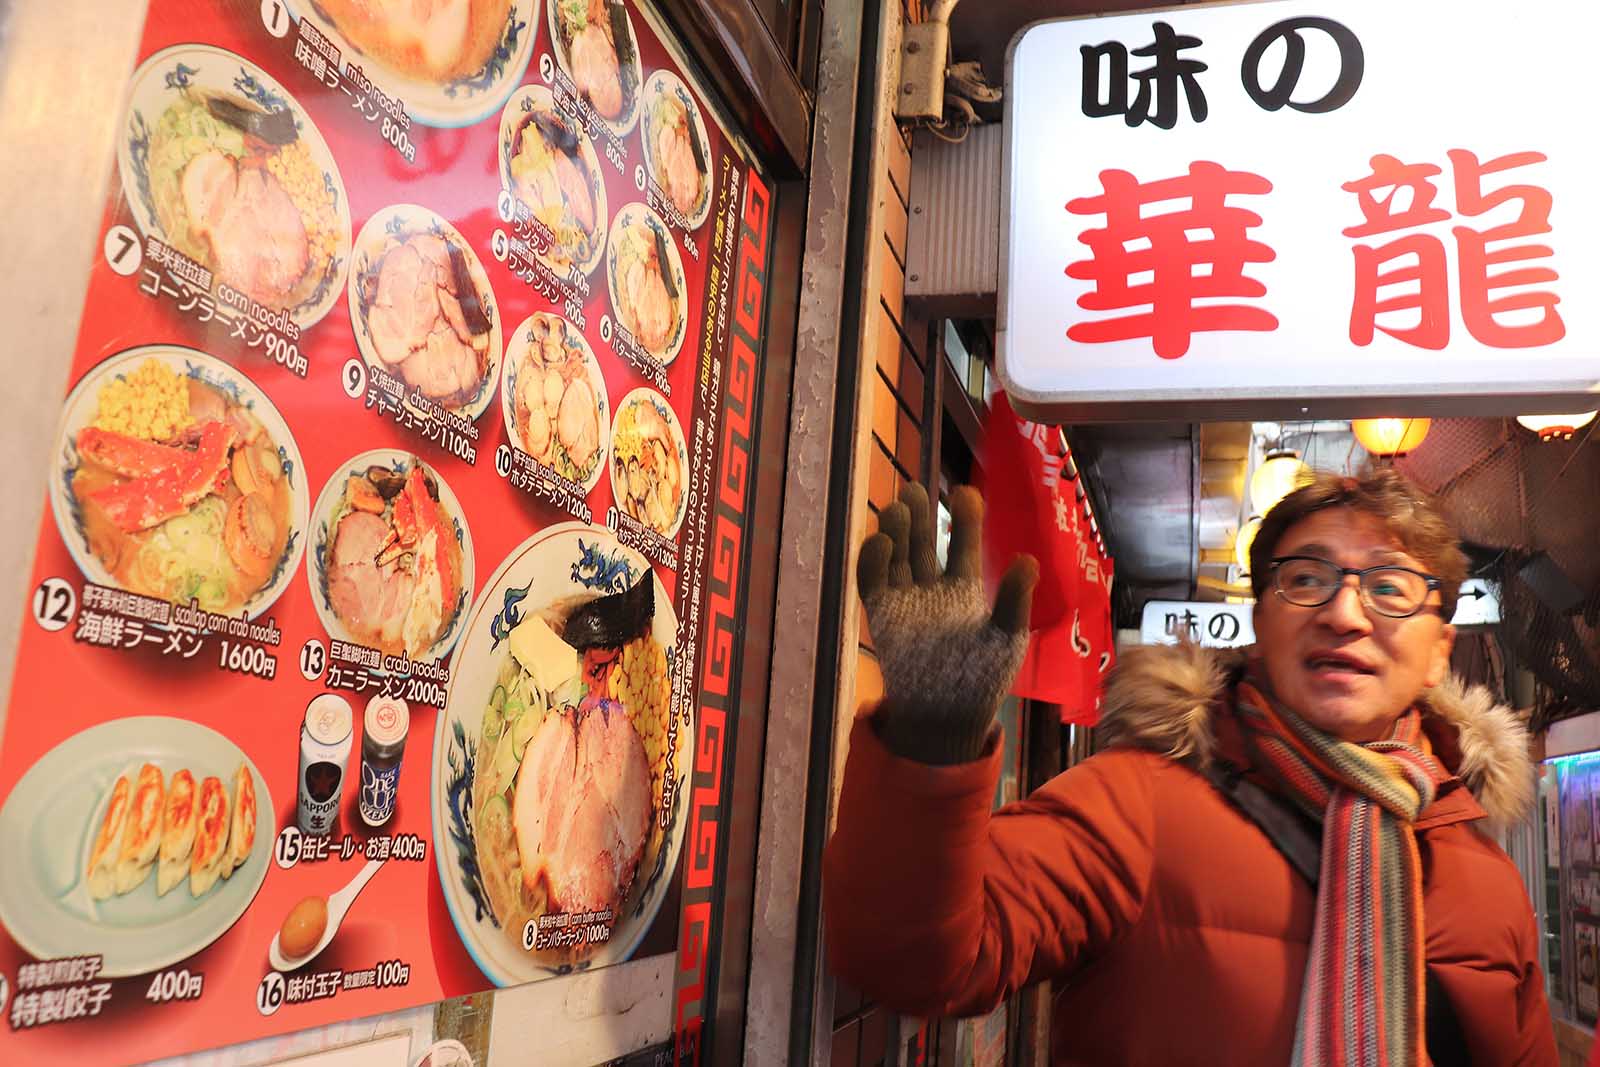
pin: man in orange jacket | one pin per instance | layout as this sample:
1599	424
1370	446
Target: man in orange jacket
1277	859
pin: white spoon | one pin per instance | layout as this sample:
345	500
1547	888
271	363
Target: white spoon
338	907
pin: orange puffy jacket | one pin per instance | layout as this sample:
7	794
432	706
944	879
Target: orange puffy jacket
1173	929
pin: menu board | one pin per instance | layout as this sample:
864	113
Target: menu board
408	431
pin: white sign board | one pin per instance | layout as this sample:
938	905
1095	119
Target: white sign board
1478	604
1365	207
1164	622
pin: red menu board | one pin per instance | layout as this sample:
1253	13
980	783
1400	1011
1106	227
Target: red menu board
408	428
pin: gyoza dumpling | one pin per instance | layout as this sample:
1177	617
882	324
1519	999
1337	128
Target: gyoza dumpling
108	842
177	832
142	839
211	837
242	837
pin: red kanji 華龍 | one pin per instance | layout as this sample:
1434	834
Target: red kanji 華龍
1478	308
1197	253
1423	273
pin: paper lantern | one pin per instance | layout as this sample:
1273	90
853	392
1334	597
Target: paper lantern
1390	437
1242	543
1280	474
1555	427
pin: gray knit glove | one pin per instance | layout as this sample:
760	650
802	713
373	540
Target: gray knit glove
947	660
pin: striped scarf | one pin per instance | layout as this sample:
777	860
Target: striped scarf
1361	1003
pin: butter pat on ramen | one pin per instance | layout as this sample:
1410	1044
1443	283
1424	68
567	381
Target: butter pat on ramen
550	661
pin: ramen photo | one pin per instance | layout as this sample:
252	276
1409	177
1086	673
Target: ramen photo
227	168
180	481
556	762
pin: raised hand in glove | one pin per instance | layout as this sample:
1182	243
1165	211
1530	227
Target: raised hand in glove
947	659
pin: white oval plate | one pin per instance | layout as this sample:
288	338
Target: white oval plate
624	125
639	215
536	97
47	827
646	395
409	219
79	410
519	350
543	569
158	82
462	101
321	537
664	83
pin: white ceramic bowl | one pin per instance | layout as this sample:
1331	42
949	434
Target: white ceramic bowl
79	410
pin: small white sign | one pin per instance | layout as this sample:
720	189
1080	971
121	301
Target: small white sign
1213	625
1212	210
1478	604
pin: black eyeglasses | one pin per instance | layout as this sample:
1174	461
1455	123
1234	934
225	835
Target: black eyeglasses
1310	582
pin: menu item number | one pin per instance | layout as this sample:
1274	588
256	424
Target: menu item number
54	605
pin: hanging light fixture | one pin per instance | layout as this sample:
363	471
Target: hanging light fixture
1242	543
1555	427
1280	474
1390	437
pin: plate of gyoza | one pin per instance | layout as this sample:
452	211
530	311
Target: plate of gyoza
140	840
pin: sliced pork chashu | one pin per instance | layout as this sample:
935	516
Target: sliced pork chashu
583	808
256	234
417	323
430	40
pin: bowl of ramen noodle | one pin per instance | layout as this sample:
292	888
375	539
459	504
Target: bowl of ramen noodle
449	62
677	152
549	164
595	44
554	400
423	311
648	288
391	556
649	462
557	763
176	478
221	163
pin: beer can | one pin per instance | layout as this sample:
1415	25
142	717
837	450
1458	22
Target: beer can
383	745
325	740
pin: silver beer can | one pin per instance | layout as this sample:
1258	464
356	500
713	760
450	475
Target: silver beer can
325	739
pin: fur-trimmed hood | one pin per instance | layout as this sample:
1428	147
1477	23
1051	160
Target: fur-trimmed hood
1161	698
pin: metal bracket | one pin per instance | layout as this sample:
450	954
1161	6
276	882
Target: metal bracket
924	53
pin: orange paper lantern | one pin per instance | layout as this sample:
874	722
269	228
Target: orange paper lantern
1556	427
1390	437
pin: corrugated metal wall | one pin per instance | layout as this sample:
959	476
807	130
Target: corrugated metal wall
953	267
